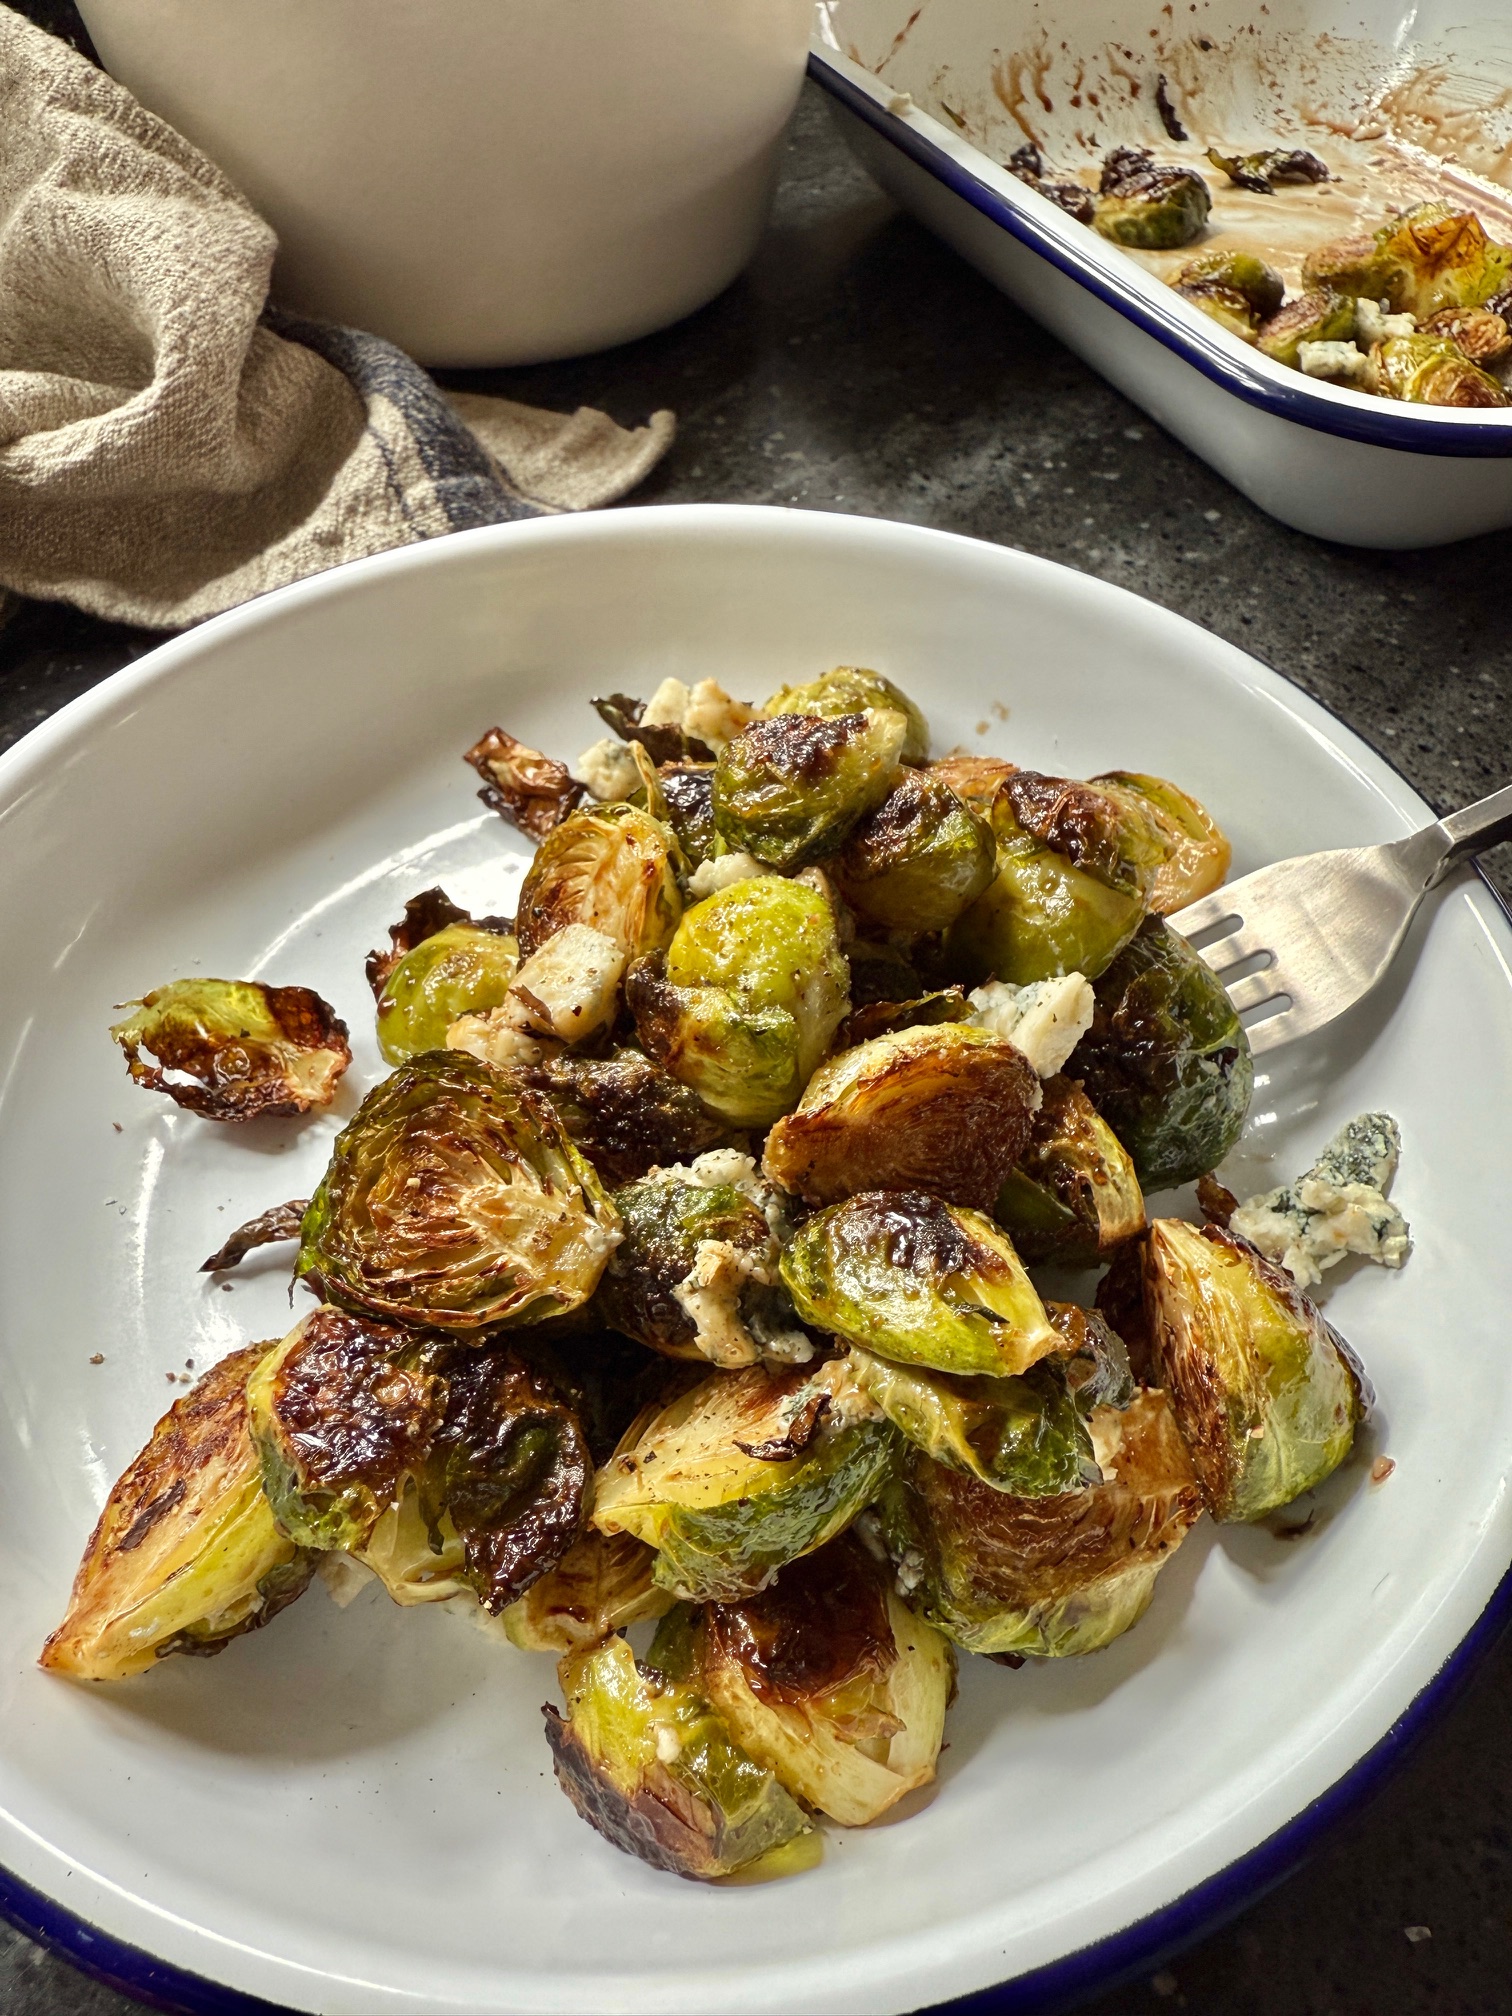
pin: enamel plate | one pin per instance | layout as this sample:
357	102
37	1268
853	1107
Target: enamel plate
353	1811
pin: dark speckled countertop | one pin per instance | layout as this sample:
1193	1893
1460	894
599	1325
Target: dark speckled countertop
860	367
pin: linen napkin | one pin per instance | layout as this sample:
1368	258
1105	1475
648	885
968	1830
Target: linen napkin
169	445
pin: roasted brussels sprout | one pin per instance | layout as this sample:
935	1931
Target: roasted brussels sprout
688	789
1440	257
1021	1434
976	780
1238	290
251	1050
722	1518
918	1281
945	1108
1433	371
646	1760
1042	917
341	1424
831	1682
1195	852
853	689
454	1199
441	964
609	866
750	994
887	1018
186	1554
1148	206
789	790
1262	172
1480	333
1046	1577
1166	1062
1316	317
915	863
601	1585
1356	268
1266	1392
1114	837
696	1273
1028	164
1074	1195
528	789
624	1113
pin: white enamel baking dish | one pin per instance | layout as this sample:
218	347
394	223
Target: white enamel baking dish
933	95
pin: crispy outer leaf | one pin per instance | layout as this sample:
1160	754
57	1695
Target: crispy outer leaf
663	741
530	790
267	1229
249	1049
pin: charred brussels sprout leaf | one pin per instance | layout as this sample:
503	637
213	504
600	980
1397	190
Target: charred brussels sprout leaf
441	964
918	861
1195	853
1266	1392
946	1108
1028	164
828	1680
508	1473
186	1554
250	1050
528	789
601	1585
1148	206
852	689
722	1519
1073	1196
1315	317
1096	1365
454	1199
1041	917
268	1228
668	1218
1166	1061
788	791
624	1113
1024	1435
1433	371
1052	1576
920	1282
663	741
888	1018
341	1423
1236	289
1262	172
688	789
753	988
647	1762
611	867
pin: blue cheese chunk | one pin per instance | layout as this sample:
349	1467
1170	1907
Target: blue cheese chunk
1337	1206
1045	1019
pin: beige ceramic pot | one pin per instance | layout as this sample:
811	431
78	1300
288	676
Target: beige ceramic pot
482	181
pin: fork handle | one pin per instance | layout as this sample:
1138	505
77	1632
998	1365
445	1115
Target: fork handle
1475	828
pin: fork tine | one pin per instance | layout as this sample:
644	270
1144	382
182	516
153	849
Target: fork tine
1227	952
1255	988
1205	912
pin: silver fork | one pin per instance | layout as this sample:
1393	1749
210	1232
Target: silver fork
1314	934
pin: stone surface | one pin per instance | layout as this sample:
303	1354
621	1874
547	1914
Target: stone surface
860	367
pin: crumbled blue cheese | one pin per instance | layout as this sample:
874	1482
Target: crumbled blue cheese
1338	363
1374	324
1337	1206
1045	1020
703	709
609	770
709	877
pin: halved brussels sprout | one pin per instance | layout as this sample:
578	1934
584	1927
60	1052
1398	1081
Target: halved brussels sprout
454	1199
416	1562
1112	836
341	1423
1266	1392
610	866
442	963
1196	852
1444	259
1262	171
919	1281
689	791
1166	1062
1356	268
945	1108
649	1764
832	1683
1316	317
1047	1577
722	1518
976	780
1041	917
915	863
531	791
853	689
251	1050
624	1113
1074	1195
601	1585
1028	164
790	790
753	988
650	1288
186	1554
1152	207
1481	333
1433	371
1237	289
1022	1434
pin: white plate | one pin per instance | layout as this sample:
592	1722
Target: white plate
353	1812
